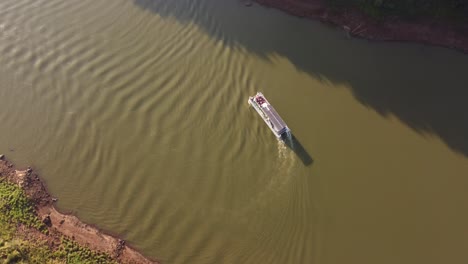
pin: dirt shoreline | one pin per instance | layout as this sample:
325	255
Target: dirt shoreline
60	224
357	24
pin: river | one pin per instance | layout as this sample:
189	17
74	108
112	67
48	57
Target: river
135	113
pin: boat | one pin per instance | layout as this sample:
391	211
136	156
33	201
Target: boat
269	115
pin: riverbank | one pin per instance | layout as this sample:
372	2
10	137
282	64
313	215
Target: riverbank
356	23
46	231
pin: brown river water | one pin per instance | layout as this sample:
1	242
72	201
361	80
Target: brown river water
135	113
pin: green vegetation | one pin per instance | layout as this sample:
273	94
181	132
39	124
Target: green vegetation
70	251
446	9
15	210
16	250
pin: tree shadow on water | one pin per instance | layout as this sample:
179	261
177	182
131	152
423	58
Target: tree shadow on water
425	87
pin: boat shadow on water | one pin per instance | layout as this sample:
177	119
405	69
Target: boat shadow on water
293	143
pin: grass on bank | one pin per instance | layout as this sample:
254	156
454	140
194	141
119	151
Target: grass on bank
15	210
455	10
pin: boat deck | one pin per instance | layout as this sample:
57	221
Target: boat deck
269	114
275	119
